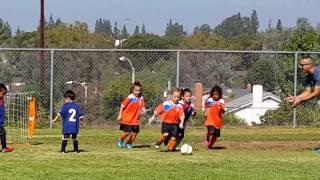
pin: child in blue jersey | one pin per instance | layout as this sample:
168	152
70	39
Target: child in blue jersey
3	92
71	115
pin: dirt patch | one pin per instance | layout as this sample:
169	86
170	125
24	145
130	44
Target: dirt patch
270	145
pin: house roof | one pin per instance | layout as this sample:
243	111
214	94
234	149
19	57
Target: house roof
247	100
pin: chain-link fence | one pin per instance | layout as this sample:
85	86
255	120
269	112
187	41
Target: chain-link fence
101	79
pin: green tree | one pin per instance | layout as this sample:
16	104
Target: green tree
205	29
116	31
5	32
51	22
303	25
124	33
143	30
148	41
279	25
136	31
254	22
174	30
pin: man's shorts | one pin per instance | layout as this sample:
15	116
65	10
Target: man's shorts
130	128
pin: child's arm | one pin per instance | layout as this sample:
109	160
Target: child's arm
56	118
152	119
181	122
120	114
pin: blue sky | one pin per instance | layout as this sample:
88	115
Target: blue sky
156	13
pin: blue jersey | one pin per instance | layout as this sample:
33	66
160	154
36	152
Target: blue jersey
2	113
71	115
313	80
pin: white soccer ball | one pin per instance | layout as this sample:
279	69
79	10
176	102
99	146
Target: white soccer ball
186	149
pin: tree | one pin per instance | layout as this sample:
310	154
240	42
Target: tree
254	22
279	25
116	31
51	22
174	30
58	22
5	32
143	30
124	33
230	27
147	41
136	31
269	26
303	25
108	27
204	28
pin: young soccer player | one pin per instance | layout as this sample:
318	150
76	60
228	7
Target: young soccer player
71	115
171	115
215	108
3	92
129	116
188	109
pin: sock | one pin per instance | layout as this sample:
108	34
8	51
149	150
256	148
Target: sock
75	145
161	139
172	144
64	145
3	141
213	140
132	138
178	141
123	136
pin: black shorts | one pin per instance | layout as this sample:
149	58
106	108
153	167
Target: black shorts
171	129
2	131
67	136
130	128
213	131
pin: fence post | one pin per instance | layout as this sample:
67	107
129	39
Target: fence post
178	69
51	87
294	123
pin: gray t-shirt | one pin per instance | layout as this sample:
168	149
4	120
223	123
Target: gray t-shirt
313	80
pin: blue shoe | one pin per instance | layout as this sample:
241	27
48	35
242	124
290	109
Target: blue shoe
316	151
120	144
129	146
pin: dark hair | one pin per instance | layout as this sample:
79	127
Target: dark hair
135	84
69	94
216	89
184	90
3	88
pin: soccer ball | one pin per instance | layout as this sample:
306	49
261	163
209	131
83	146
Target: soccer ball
186	149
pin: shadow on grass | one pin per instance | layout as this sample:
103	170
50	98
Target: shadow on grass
141	146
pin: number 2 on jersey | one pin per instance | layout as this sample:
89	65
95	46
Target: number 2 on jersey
73	113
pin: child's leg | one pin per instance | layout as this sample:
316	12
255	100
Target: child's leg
3	138
180	135
163	137
126	131
64	143
75	143
172	144
213	140
123	136
132	138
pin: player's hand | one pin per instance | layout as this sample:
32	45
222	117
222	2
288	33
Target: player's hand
150	120
296	102
181	125
290	98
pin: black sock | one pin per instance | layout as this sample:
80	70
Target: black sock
75	145
64	145
3	141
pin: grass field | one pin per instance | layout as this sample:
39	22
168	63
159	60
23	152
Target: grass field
264	153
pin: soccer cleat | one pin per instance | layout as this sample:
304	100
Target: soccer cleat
63	152
120	144
156	146
129	146
205	142
76	152
316	148
316	151
7	150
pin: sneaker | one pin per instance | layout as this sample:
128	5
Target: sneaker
316	151
206	143
156	146
120	144
63	152
7	150
129	146
76	152
316	148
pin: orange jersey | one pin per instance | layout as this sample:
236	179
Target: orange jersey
170	113
132	107
215	110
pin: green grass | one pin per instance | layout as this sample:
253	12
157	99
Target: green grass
263	153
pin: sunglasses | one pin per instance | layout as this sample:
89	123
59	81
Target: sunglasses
302	65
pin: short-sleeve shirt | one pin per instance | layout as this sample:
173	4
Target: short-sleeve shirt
132	107
313	80
169	113
215	111
71	115
188	109
2	112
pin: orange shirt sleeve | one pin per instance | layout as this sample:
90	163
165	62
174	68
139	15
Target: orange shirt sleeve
142	103
159	109
125	102
181	113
